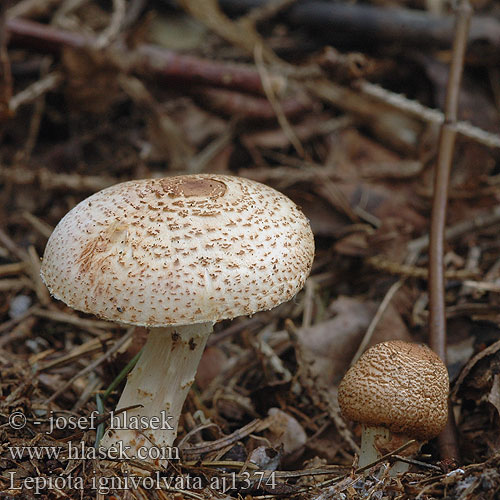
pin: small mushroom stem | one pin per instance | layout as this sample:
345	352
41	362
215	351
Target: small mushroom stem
374	443
369	452
159	383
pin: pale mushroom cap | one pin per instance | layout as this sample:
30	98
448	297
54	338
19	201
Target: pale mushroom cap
398	385
179	250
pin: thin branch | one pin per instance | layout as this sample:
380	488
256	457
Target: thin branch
430	115
480	221
5	71
246	106
145	59
437	309
47	83
437	326
354	22
405	270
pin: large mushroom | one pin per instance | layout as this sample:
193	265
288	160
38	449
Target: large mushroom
175	255
398	391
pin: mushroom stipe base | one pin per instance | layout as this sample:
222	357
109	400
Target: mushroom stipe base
159	382
378	441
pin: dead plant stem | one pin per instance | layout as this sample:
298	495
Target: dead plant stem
437	320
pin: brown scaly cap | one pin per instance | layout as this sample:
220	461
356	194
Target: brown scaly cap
179	250
398	385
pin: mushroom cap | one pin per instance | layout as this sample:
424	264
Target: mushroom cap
398	385
179	250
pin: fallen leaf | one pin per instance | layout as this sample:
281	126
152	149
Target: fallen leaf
332	344
213	362
285	430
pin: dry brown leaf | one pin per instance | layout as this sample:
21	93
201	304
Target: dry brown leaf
285	430
212	363
333	343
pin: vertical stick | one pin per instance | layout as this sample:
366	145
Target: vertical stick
5	74
437	321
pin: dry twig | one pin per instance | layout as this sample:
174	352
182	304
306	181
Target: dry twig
437	308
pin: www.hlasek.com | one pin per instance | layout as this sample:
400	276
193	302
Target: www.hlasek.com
81	451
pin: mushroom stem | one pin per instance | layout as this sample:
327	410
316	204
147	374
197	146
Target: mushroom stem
374	441
159	383
369	452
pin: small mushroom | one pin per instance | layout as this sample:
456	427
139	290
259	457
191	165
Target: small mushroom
175	255
398	391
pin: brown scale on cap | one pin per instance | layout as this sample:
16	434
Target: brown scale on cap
398	385
179	250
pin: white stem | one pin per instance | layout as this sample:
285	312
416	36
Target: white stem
160	383
370	453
